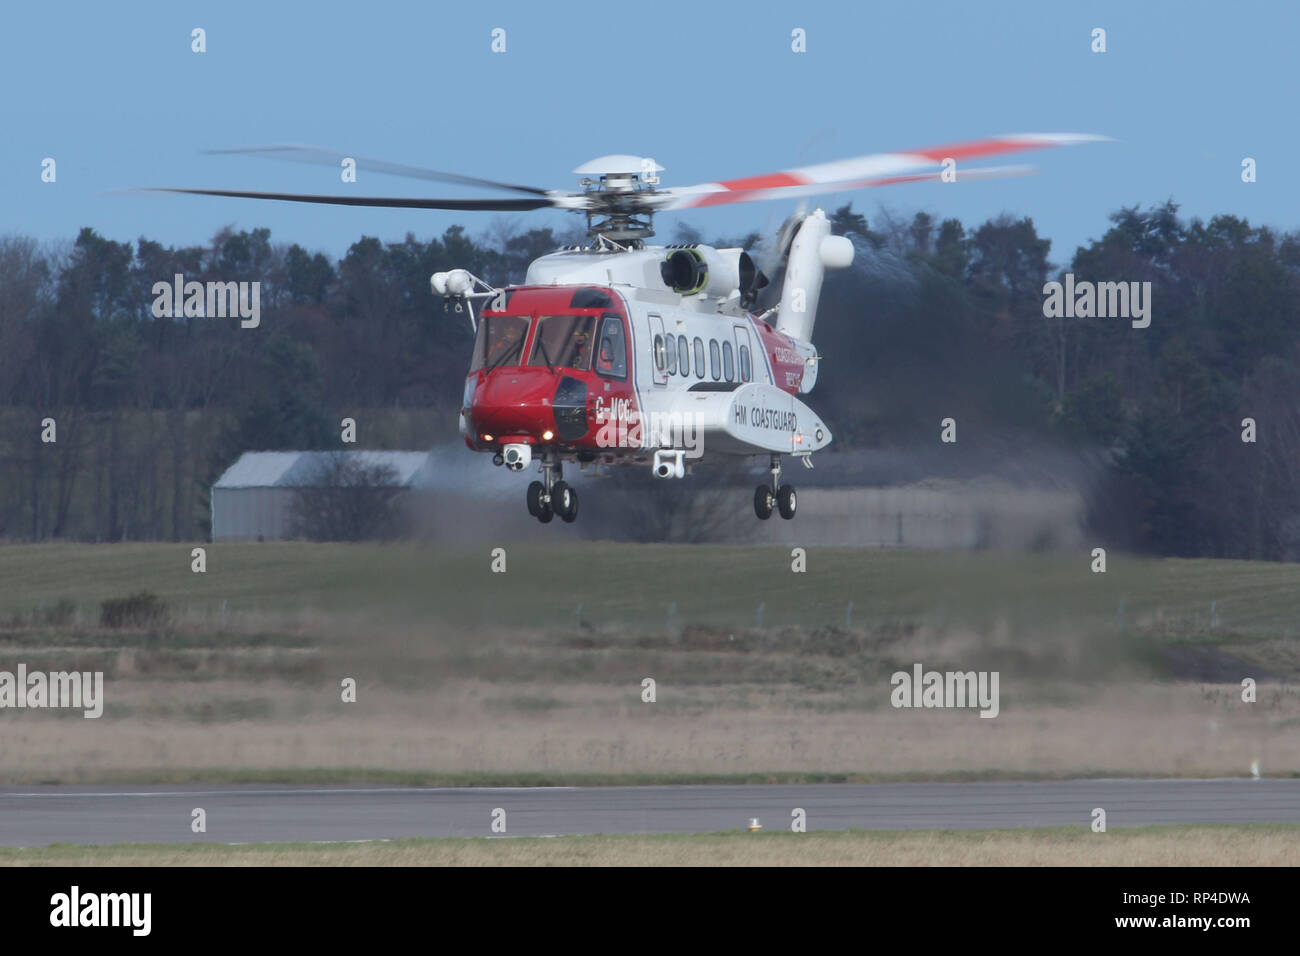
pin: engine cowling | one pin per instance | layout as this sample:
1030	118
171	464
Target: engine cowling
696	269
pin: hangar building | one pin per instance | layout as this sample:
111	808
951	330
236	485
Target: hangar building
254	497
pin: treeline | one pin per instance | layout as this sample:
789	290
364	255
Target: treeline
147	412
946	322
933	321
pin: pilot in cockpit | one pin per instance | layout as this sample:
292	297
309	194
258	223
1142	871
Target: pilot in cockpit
605	362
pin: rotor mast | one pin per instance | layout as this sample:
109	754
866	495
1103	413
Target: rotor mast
617	189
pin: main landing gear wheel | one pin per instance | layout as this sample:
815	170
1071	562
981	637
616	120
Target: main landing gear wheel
536	498
564	501
786	501
775	495
545	515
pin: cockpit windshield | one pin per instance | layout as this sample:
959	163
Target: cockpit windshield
500	341
564	341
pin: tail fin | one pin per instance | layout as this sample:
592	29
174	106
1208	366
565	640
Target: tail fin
813	251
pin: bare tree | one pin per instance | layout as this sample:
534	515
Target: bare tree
344	499
711	505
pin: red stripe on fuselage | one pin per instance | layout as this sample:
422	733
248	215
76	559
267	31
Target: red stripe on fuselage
786	375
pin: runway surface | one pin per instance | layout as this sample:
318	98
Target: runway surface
36	816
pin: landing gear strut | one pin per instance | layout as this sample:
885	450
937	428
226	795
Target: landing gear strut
552	495
776	496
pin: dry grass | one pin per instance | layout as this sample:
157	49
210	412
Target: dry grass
254	689
1235	846
475	728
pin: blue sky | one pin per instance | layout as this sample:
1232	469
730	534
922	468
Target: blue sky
710	90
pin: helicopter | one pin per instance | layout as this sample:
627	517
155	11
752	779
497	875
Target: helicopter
616	352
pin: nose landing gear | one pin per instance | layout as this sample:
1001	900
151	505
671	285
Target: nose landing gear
777	496
565	501
553	495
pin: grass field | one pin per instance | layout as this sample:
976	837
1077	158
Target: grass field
1237	846
638	585
536	673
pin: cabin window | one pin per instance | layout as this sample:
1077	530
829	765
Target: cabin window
699	357
715	360
728	362
611	356
661	357
670	350
683	356
564	341
746	370
499	340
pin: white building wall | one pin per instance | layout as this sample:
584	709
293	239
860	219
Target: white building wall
250	513
952	516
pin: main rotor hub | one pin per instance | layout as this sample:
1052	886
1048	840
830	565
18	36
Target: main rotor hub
617	188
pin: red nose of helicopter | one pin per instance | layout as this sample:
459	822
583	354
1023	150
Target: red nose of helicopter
514	404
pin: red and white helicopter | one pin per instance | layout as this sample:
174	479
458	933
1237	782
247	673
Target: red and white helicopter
618	352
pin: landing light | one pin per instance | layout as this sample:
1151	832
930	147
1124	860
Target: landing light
487	437
548	435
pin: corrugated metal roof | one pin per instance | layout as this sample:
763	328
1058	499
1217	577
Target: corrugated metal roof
291	469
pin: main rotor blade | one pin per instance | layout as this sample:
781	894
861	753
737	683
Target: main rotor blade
330	157
699	200
487	205
867	170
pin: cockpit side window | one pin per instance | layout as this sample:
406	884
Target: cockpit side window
611	354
